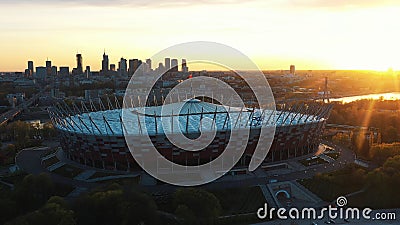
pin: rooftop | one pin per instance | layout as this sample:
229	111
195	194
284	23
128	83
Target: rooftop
189	116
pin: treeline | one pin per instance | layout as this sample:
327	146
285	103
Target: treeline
35	201
370	113
380	153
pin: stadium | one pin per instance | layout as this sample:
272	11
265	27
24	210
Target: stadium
93	133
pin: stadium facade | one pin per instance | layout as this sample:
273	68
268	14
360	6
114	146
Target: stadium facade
93	133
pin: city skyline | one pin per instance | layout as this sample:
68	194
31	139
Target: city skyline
124	68
310	34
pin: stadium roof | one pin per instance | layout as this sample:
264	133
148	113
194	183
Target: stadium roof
194	116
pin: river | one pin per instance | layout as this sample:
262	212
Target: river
385	96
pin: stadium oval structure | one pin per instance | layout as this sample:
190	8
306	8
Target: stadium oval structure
93	133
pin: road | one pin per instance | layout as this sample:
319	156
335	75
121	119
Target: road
12	113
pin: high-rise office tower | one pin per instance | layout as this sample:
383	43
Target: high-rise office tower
184	66
30	68
134	65
122	67
167	64
40	73
112	67
131	64
48	67
105	64
139	63
174	65
87	72
79	67
54	71
64	71
292	69
148	62
160	67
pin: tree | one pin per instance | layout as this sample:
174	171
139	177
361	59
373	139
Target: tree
195	201
380	153
116	206
33	192
100	208
55	211
7	209
138	208
390	134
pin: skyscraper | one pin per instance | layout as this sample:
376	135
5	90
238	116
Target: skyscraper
160	67
174	65
30	68
64	71
48	67
54	71
122	67
112	67
87	72
148	62
167	64
105	64
79	67
184	66
131	65
292	69
134	65
40	73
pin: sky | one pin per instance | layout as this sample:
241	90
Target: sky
312	34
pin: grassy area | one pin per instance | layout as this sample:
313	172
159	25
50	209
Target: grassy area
68	171
328	191
51	161
329	186
311	162
240	200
